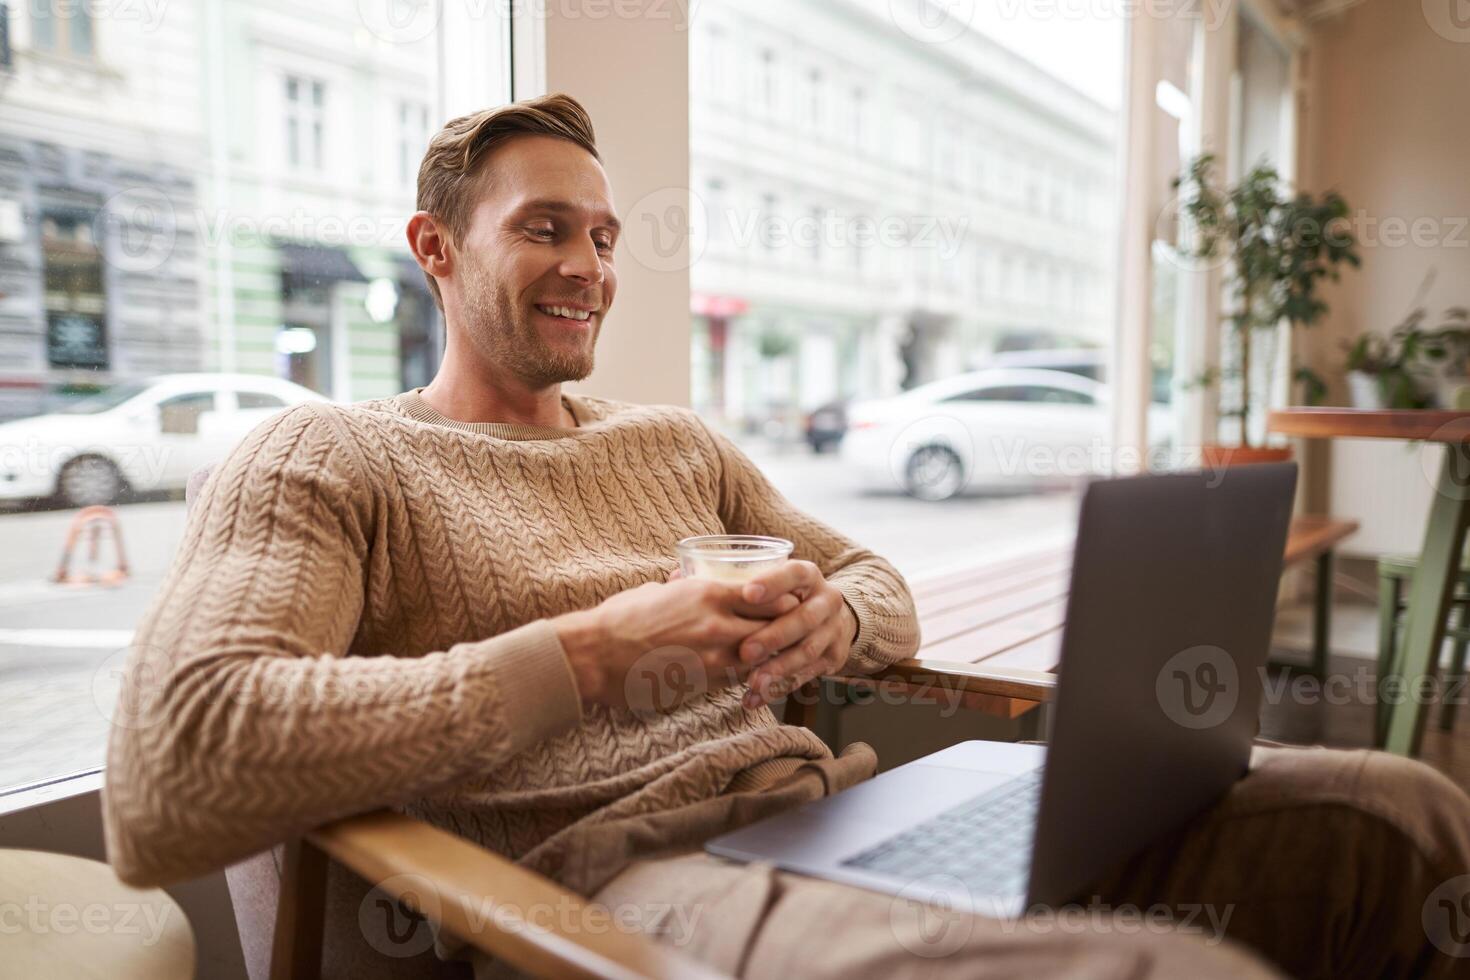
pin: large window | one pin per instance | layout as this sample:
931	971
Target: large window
895	201
197	193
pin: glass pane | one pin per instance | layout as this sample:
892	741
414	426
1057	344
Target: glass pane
891	206
43	25
81	31
1176	138
140	277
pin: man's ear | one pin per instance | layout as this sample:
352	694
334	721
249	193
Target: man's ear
430	244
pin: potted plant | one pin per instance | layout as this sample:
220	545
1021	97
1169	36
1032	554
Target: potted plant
1399	370
1279	248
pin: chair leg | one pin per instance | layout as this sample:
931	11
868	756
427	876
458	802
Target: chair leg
1390	590
1322	616
1455	681
296	947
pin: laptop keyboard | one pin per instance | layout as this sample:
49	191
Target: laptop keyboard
985	841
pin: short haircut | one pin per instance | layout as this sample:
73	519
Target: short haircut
450	176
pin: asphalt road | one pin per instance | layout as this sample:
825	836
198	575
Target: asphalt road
60	646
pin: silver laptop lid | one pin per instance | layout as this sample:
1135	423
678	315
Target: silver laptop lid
1168	626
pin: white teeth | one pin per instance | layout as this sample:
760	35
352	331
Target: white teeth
567	312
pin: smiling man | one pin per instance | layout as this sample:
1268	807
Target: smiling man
458	602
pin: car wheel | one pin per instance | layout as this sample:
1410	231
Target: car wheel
934	473
89	480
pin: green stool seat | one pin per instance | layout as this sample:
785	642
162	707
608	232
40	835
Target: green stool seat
1395	572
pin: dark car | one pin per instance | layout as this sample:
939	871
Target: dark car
826	425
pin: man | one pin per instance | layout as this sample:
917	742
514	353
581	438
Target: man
458	602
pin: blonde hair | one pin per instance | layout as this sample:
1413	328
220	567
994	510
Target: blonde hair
449	177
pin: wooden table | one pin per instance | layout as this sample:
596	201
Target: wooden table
1417	658
992	635
69	917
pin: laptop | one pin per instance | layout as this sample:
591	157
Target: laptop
1168	625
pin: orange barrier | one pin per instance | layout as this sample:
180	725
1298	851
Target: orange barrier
90	522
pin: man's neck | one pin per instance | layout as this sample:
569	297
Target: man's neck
465	399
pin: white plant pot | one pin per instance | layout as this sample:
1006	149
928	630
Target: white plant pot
1363	390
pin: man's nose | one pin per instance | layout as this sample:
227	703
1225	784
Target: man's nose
582	263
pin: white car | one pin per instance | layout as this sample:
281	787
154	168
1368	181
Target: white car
994	427
137	436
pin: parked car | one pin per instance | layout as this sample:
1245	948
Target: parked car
1089	362
995	427
137	436
826	425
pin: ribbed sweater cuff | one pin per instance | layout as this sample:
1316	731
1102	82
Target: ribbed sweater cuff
541	699
860	659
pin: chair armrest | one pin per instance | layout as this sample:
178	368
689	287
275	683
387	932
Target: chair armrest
487	900
1005	682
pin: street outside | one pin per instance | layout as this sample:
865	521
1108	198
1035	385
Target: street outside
61	645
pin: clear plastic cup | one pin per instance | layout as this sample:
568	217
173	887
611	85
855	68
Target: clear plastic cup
732	558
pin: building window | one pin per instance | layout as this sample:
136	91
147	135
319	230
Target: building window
768	222
305	122
768	79
714	209
715	48
413	139
76	301
814	99
63	28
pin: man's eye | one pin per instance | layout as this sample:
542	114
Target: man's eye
604	244
545	234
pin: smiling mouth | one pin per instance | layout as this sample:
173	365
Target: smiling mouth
565	313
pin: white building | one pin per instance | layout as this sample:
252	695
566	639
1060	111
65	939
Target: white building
100	148
223	184
880	210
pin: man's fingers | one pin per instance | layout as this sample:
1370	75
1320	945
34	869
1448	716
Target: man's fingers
780	606
790	668
786	577
787	630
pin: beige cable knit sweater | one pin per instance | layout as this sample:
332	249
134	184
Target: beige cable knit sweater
358	617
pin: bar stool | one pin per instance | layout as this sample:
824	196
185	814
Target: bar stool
1394	575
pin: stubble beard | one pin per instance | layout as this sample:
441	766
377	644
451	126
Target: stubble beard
505	335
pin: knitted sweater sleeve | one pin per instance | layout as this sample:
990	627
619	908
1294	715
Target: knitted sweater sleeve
243	721
888	627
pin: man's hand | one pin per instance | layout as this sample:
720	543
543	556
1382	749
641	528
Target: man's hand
812	639
664	642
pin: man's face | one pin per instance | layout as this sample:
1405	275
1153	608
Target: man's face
535	270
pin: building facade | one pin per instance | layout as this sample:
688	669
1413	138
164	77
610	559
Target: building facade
876	211
100	149
222	185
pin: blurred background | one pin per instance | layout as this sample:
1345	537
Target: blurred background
927	263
